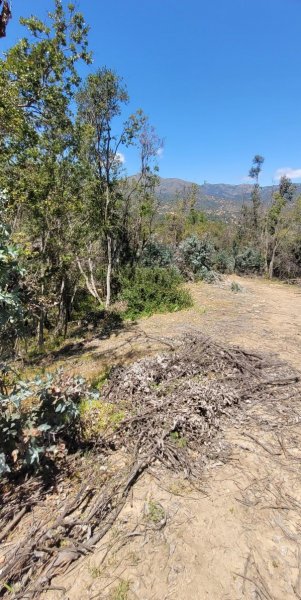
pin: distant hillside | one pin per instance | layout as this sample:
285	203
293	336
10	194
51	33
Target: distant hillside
219	199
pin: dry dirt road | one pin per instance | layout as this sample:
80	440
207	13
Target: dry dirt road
265	316
239	538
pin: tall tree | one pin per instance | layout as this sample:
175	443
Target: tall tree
38	79
140	201
255	196
11	307
100	104
275	230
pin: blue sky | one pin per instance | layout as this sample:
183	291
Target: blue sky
220	80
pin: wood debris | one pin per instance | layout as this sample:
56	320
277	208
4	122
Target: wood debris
176	403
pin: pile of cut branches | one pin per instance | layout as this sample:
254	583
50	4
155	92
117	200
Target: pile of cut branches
175	404
178	400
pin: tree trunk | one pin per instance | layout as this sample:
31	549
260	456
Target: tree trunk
109	244
64	308
272	261
67	294
109	271
60	320
266	250
90	283
41	328
5	15
41	318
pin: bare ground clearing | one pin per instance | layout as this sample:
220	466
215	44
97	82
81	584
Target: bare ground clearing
265	316
237	533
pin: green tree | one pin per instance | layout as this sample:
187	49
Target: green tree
140	200
276	228
38	79
100	105
11	308
184	215
255	196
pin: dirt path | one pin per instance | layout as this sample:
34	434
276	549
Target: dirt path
263	316
238	535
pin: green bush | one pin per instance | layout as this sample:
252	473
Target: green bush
38	420
149	291
98	417
156	254
208	275
235	287
194	255
249	261
224	262
84	304
11	273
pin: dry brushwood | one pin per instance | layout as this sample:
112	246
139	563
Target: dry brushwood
179	399
175	403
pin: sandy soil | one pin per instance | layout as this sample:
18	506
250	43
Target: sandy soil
265	316
237	535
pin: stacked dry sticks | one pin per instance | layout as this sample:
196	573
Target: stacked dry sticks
175	404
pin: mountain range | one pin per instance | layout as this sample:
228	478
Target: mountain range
218	199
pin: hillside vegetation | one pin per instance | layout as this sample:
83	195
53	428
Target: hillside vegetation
216	199
80	242
77	235
87	252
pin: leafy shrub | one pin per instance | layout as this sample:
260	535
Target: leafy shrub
235	287
38	420
209	276
84	304
11	310
98	417
121	591
224	262
178	439
156	254
154	290
249	261
194	254
154	512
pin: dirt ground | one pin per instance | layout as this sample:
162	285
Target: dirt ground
236	534
265	316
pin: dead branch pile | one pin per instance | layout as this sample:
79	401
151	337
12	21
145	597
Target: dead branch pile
176	402
180	399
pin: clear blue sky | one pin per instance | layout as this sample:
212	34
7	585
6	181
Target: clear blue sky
220	80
